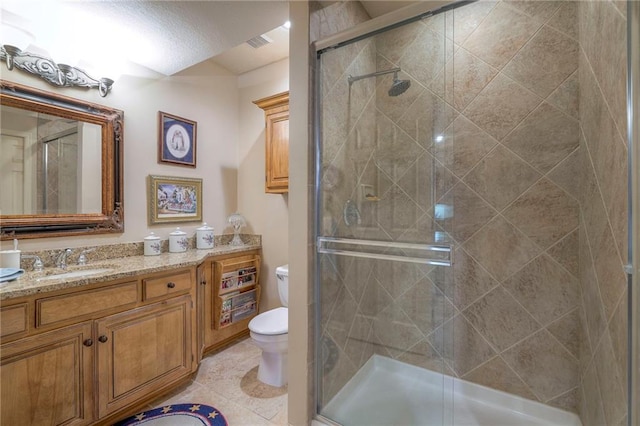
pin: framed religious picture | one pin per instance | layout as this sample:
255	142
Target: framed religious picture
176	140
174	199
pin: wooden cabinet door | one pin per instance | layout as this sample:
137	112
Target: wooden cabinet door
205	306
47	379
277	151
142	351
276	115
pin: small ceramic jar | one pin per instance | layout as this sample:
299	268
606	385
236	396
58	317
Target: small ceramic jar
204	237
178	242
151	245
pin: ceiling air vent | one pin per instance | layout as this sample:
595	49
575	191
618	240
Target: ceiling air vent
259	41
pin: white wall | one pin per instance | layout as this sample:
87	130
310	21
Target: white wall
301	359
230	154
266	214
205	93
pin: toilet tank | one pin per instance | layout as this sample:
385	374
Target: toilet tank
282	277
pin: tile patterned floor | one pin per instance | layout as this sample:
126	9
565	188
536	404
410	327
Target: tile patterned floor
228	381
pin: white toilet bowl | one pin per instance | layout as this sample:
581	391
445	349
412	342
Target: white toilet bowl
269	331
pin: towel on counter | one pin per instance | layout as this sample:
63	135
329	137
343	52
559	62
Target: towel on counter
10	274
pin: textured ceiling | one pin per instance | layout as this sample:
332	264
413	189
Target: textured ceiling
189	32
167	36
164	36
244	58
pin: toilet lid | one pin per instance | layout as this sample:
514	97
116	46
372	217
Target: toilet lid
275	321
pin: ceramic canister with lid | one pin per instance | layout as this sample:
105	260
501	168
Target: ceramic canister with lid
204	237
151	245
178	241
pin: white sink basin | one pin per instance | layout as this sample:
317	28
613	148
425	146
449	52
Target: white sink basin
76	274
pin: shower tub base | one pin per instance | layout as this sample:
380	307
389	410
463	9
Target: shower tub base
388	392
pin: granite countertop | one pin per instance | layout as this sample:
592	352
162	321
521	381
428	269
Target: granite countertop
37	282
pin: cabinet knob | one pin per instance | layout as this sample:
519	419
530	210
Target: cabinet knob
103	338
203	282
171	285
88	342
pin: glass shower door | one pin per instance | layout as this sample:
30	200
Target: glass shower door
383	248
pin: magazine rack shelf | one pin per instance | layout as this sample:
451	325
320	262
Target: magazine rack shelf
236	306
238	289
232	299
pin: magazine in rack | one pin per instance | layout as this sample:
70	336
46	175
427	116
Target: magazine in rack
237	299
236	279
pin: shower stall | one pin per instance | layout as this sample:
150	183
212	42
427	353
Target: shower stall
471	217
57	179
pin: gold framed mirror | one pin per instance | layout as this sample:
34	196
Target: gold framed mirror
61	170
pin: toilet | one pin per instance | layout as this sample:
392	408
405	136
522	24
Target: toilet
269	331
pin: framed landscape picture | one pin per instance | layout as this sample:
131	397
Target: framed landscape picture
176	140
174	199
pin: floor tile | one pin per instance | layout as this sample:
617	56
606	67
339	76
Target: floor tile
228	381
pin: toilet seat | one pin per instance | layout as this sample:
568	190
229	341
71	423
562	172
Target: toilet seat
273	322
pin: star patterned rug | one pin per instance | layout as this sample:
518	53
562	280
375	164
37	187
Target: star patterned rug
178	415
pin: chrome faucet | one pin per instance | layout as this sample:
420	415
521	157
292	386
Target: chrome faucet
38	266
61	261
82	259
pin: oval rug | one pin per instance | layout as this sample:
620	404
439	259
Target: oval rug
178	414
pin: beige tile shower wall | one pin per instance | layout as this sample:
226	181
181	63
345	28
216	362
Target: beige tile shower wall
513	84
502	90
603	198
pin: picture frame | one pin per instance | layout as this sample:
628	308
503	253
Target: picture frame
177	137
174	199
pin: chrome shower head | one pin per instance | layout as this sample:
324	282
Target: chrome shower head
398	87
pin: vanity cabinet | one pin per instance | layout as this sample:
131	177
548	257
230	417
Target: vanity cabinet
47	379
230	292
92	353
142	350
276	116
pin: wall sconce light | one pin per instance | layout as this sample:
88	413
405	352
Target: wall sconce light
56	74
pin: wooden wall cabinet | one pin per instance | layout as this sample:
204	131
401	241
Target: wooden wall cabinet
136	336
230	292
276	115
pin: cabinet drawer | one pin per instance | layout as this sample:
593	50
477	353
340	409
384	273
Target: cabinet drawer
166	285
85	303
13	319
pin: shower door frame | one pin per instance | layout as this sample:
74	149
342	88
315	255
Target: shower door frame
633	110
403	16
422	10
